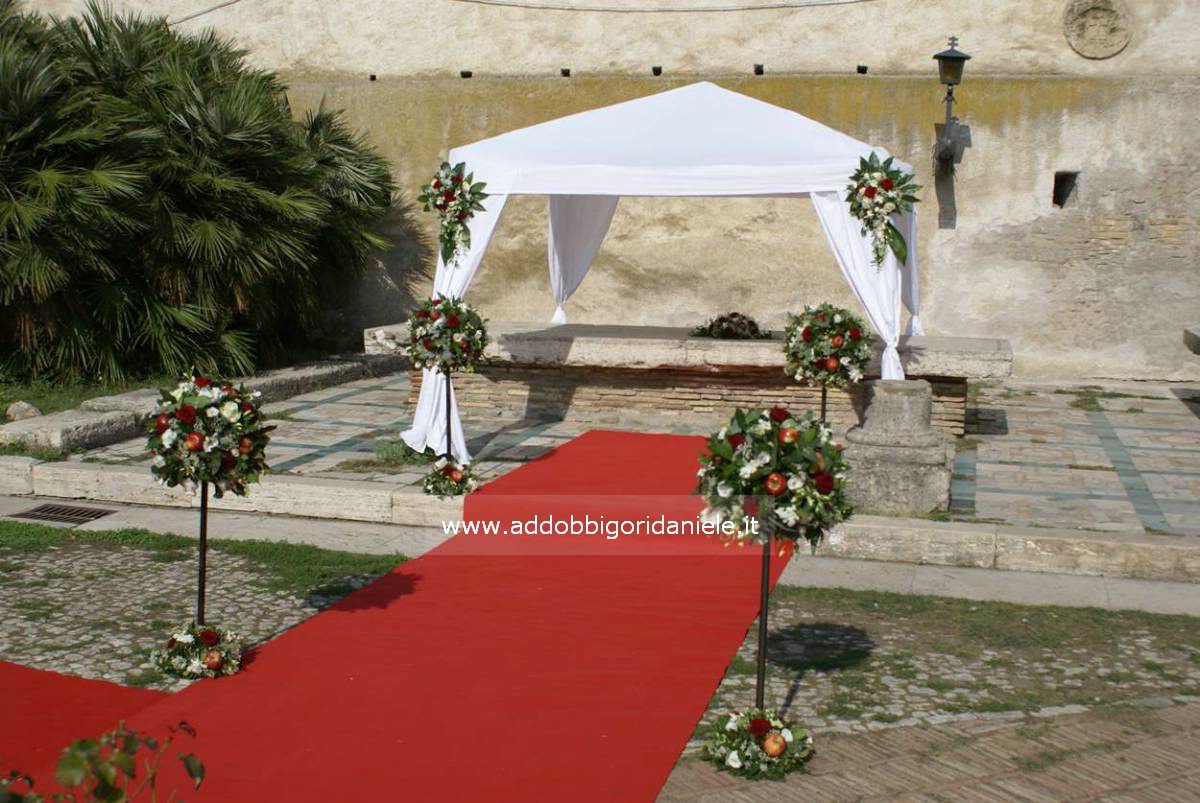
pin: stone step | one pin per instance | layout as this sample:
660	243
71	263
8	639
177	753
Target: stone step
911	540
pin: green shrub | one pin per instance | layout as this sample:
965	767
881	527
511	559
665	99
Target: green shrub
159	206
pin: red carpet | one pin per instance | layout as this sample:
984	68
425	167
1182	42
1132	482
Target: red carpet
43	712
496	668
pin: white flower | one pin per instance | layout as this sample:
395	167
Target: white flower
184	638
837	318
732	724
229	411
733	760
788	516
159	461
179	662
195	667
212	412
725	490
168	438
760	427
787	735
795	482
747	471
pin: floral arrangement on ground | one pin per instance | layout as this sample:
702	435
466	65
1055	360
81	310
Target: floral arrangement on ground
200	651
827	345
455	196
449	478
784	470
758	744
877	191
207	430
734	326
446	334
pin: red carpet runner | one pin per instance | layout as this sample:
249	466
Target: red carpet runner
43	712
497	668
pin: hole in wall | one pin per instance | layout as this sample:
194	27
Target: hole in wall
1064	187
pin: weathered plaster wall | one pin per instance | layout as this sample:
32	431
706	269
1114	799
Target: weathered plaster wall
440	37
1099	288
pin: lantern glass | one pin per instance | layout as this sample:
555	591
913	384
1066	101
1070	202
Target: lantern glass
950	71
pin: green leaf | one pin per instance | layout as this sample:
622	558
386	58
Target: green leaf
72	770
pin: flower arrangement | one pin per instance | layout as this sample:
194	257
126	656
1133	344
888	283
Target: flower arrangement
446	334
207	430
758	744
455	196
200	651
877	190
734	326
827	345
788	468
449	478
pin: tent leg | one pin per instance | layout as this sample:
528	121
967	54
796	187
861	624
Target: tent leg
449	445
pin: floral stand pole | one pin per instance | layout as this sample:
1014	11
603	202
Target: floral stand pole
200	583
449	415
760	687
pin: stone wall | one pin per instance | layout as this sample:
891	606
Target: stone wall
1098	288
694	398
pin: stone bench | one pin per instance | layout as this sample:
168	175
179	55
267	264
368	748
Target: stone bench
610	374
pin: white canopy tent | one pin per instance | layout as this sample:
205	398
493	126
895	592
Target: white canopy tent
698	140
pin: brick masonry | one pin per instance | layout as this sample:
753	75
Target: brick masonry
608	395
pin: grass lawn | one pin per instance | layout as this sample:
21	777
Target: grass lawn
53	397
295	568
863	656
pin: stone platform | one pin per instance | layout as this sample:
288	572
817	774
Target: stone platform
608	374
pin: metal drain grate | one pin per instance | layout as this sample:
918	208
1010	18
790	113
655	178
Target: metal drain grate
64	514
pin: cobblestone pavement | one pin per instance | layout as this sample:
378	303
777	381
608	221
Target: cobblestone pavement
1122	754
98	610
1123	458
855	662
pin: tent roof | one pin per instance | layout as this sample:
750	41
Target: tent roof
698	139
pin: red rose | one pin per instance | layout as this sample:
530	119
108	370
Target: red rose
780	414
870	192
247	407
203	381
422	313
887	184
462	216
727	331
162	423
186	414
837	341
437	185
437	302
229	390
208	637
245	445
760	727
855	333
456	179
194	441
775	483
452	321
832	364
736	440
806	333
448	469
228	461
428	344
171	643
448	196
823	483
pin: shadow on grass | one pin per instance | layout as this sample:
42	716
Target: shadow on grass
819	647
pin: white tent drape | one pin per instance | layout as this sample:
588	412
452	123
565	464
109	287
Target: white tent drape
578	224
429	418
697	140
877	289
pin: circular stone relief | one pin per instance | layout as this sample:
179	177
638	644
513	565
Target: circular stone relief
1096	29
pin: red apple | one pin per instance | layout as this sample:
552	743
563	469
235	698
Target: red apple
245	445
162	423
837	341
823	483
456	475
194	441
831	364
788	435
775	483
213	660
774	745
